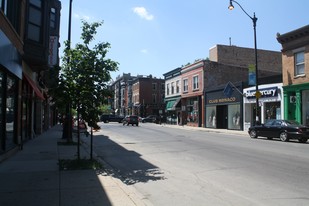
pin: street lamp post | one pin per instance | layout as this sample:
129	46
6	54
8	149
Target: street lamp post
257	93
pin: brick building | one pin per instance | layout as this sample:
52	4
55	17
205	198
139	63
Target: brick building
203	102
148	96
295	73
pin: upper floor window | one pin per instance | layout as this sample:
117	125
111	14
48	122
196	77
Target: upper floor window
177	87
3	6
162	86
11	9
299	59
53	18
35	20
195	82
167	89
173	87
154	98
154	86
185	85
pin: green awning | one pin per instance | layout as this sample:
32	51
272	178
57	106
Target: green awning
170	104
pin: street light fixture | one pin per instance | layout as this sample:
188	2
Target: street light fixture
257	93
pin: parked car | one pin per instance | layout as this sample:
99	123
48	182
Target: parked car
111	118
130	119
282	129
151	118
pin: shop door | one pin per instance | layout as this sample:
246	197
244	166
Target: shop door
222	117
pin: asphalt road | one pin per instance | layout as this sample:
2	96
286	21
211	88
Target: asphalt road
174	166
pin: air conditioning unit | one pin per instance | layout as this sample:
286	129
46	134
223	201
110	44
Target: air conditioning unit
292	99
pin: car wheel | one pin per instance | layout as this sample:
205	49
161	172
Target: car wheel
253	134
284	137
303	140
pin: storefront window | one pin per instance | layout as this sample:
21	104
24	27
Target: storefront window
211	116
10	111
234	116
305	107
272	111
1	109
193	113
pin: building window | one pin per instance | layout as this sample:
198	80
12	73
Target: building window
154	98
177	87
299	59
53	18
172	87
154	86
162	86
3	6
35	20
167	89
185	85
195	82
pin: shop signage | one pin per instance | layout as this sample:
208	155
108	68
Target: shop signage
267	92
222	100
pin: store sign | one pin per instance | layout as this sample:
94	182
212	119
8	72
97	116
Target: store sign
222	100
53	50
267	92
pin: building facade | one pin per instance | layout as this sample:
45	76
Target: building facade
228	68
192	98
295	74
148	96
121	102
271	103
173	85
25	30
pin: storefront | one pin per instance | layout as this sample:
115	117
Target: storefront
270	103
222	111
10	76
191	109
296	103
173	107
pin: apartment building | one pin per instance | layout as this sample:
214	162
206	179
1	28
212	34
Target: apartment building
295	73
148	96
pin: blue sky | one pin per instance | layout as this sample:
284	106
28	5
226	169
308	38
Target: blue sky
157	36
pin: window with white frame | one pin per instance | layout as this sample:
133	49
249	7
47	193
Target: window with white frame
299	59
172	87
185	85
167	89
177	87
195	82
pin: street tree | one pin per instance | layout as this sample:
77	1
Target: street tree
83	81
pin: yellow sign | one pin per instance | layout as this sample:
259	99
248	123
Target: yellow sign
258	94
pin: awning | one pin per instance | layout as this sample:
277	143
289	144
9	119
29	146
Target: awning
171	105
35	88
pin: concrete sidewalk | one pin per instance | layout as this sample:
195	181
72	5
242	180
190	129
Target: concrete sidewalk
32	177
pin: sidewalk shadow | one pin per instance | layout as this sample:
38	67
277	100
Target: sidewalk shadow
128	166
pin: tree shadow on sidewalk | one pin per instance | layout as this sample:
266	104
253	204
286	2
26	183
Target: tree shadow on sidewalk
128	166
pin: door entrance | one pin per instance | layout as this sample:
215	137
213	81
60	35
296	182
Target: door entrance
222	117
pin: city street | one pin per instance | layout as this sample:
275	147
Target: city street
177	166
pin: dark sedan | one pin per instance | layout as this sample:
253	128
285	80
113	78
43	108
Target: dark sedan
283	129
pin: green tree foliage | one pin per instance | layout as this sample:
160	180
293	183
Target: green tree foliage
85	74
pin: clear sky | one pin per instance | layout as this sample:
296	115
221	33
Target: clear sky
157	36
